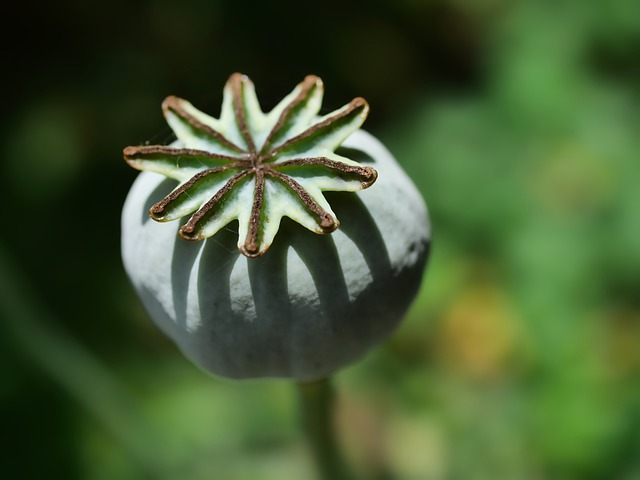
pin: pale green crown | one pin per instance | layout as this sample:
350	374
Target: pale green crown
255	167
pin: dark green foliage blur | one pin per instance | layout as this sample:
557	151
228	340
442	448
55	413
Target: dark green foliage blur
518	120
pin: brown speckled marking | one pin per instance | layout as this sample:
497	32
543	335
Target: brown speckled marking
174	104
158	209
131	154
310	83
355	105
367	175
237	83
188	231
251	244
327	222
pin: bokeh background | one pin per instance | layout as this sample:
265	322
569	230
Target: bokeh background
518	121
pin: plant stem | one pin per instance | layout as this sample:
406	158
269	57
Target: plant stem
317	401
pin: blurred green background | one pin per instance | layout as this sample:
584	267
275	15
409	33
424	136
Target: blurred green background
519	122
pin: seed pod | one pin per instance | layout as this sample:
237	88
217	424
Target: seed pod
243	303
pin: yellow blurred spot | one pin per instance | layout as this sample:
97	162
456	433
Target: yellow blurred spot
572	180
480	334
362	432
417	448
623	338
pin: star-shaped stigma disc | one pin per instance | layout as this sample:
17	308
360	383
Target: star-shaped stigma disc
255	167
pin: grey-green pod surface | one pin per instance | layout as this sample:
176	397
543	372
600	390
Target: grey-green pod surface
310	305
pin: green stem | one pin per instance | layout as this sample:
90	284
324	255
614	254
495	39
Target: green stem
317	401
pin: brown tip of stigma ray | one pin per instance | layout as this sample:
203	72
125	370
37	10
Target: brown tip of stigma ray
159	208
354	105
174	104
237	82
306	87
188	230
251	244
327	223
131	154
367	175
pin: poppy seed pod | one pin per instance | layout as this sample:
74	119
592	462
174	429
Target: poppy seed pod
243	302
